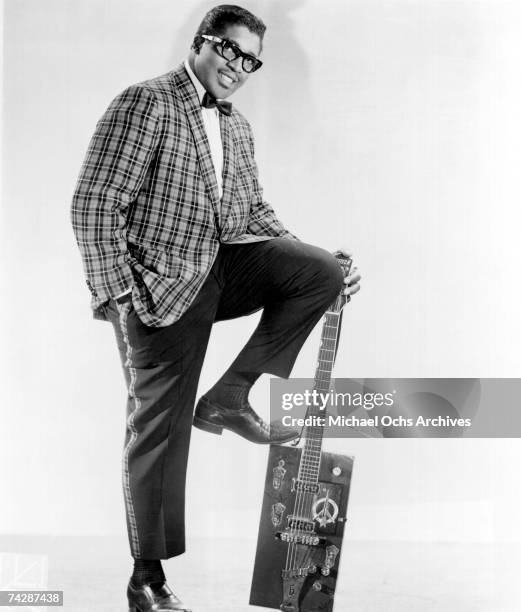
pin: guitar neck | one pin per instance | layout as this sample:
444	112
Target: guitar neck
317	410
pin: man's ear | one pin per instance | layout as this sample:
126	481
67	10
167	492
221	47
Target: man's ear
198	43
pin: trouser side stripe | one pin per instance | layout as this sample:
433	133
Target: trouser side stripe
134	537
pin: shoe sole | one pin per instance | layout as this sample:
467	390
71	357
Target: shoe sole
206	426
218	430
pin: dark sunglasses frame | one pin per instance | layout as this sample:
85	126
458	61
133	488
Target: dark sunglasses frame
221	43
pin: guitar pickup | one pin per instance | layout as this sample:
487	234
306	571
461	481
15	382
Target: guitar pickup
302	485
300	523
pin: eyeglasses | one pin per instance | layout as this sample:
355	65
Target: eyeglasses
230	51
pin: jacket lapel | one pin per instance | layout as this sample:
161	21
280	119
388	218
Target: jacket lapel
188	94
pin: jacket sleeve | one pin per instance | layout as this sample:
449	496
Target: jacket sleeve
114	169
263	220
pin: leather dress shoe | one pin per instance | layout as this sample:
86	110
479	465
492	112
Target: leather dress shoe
154	597
244	421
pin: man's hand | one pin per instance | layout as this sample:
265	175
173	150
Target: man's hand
352	281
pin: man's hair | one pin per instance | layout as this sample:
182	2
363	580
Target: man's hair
220	17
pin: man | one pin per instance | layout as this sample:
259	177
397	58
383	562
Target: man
175	235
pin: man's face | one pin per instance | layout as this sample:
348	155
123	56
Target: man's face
219	76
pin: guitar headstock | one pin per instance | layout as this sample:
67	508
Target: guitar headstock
341	300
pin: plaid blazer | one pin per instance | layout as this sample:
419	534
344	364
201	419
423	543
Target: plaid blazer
146	210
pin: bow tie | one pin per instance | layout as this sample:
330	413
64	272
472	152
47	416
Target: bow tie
222	106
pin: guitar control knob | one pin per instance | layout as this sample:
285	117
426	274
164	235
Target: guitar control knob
325	571
323	588
312	569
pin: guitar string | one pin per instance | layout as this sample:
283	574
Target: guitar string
300	498
305	471
330	318
324	377
308	468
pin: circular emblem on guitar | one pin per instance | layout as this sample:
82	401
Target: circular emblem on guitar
325	511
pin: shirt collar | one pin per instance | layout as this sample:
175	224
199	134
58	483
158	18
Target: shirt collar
197	83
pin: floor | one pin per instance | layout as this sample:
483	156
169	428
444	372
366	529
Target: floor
215	575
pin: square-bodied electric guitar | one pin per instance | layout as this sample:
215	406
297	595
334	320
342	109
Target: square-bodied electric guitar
304	505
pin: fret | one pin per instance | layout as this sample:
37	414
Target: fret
311	462
310	452
309	466
310	459
311	470
311	477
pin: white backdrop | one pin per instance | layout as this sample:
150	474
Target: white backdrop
391	127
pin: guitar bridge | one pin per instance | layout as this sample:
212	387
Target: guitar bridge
294	538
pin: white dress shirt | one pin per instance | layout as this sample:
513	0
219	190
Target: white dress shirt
213	130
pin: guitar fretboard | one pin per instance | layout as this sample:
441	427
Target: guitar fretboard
317	411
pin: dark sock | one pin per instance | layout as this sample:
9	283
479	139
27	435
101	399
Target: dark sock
243	379
147	571
232	389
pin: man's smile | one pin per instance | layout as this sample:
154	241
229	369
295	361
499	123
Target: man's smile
227	78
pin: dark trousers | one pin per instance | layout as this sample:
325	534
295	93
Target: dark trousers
293	282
